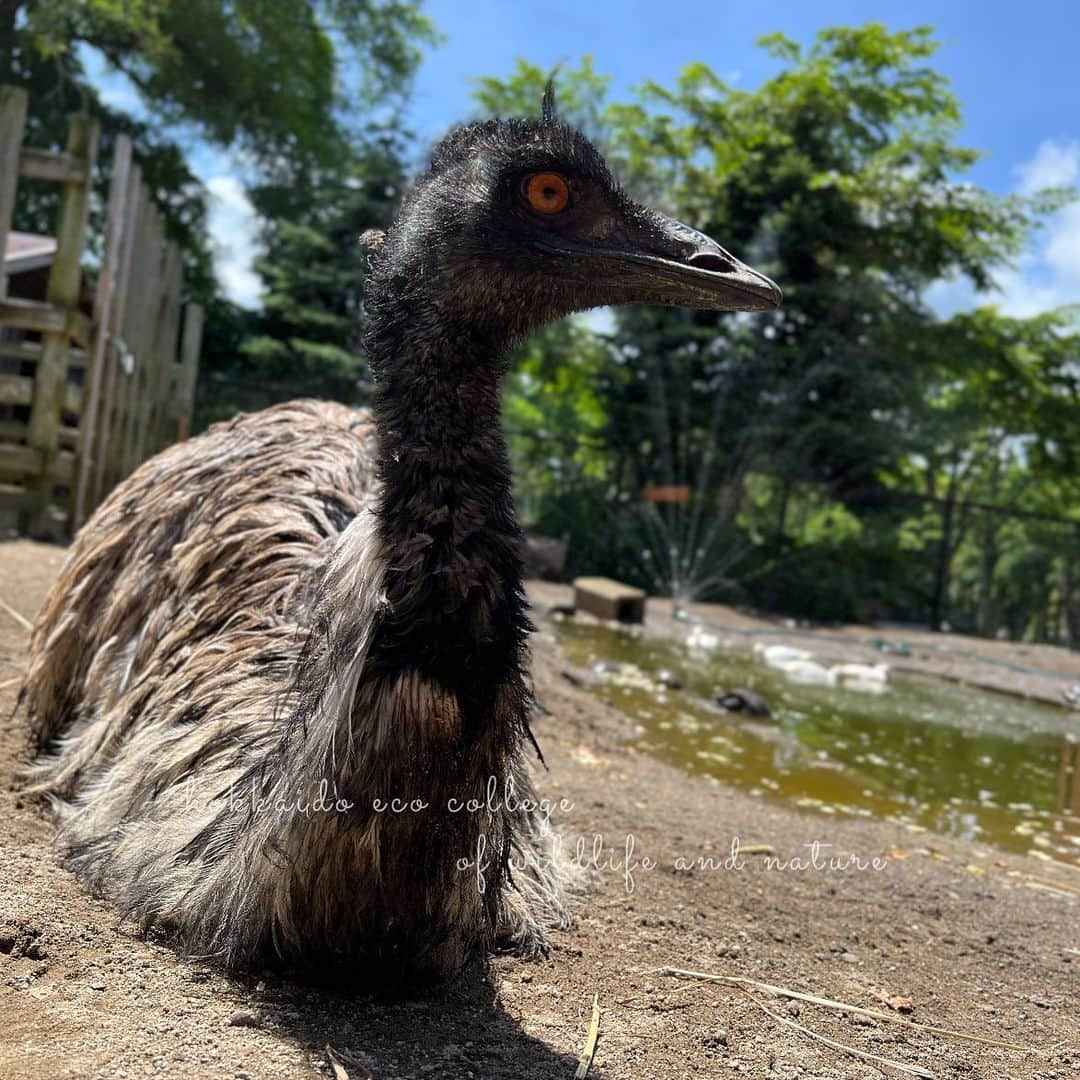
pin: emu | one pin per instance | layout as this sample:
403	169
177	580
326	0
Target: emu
269	632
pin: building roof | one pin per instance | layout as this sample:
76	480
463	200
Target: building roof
25	251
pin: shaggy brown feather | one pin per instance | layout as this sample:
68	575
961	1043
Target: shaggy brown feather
168	654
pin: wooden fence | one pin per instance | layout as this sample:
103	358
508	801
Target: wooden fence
87	395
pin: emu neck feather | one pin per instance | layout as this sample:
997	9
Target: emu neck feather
452	579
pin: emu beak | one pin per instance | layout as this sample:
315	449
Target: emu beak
683	267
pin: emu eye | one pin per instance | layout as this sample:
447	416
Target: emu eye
547	193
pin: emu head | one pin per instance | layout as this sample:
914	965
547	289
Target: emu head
519	222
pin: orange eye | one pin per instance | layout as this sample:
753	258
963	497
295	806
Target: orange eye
547	192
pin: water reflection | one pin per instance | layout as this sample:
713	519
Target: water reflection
951	758
1068	800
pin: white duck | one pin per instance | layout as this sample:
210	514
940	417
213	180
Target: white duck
808	672
876	673
778	656
699	638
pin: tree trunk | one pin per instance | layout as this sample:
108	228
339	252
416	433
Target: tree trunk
987	618
9	10
778	542
939	601
1070	603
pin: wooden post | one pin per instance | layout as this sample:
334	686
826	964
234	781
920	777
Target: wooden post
184	398
145	361
112	399
129	398
166	332
12	122
166	432
50	383
103	300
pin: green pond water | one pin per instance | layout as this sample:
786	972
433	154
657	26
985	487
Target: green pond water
950	758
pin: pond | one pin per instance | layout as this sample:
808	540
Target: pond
952	759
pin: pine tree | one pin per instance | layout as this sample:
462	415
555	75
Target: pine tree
306	338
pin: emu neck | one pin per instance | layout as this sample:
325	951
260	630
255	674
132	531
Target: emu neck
445	514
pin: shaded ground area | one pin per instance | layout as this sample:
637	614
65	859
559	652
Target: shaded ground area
979	942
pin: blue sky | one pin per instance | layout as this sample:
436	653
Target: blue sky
1014	66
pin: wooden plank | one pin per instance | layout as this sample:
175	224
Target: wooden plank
145	368
13	102
20	462
156	366
166	346
12	431
667	493
103	298
608	599
16	389
50	381
63	467
183	403
22	351
19	390
43	318
140	271
25	351
126	334
29	465
15	498
32	315
62	168
109	411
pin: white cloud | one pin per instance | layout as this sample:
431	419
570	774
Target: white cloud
1063	244
1055	164
234	235
1047	276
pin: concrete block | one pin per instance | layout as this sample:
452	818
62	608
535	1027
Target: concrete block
608	599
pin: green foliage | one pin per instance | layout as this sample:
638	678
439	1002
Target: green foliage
281	78
848	456
290	85
840	448
56	84
306	333
579	94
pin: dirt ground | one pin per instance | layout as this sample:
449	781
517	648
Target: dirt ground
981	943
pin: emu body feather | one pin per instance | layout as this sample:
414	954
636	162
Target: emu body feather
225	741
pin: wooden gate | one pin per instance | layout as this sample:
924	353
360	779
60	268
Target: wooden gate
89	386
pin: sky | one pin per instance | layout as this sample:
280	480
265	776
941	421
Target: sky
1014	66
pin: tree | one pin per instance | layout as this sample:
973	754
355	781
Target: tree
56	82
306	335
280	79
838	175
292	87
842	177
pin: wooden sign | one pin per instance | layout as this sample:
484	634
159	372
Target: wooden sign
672	493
